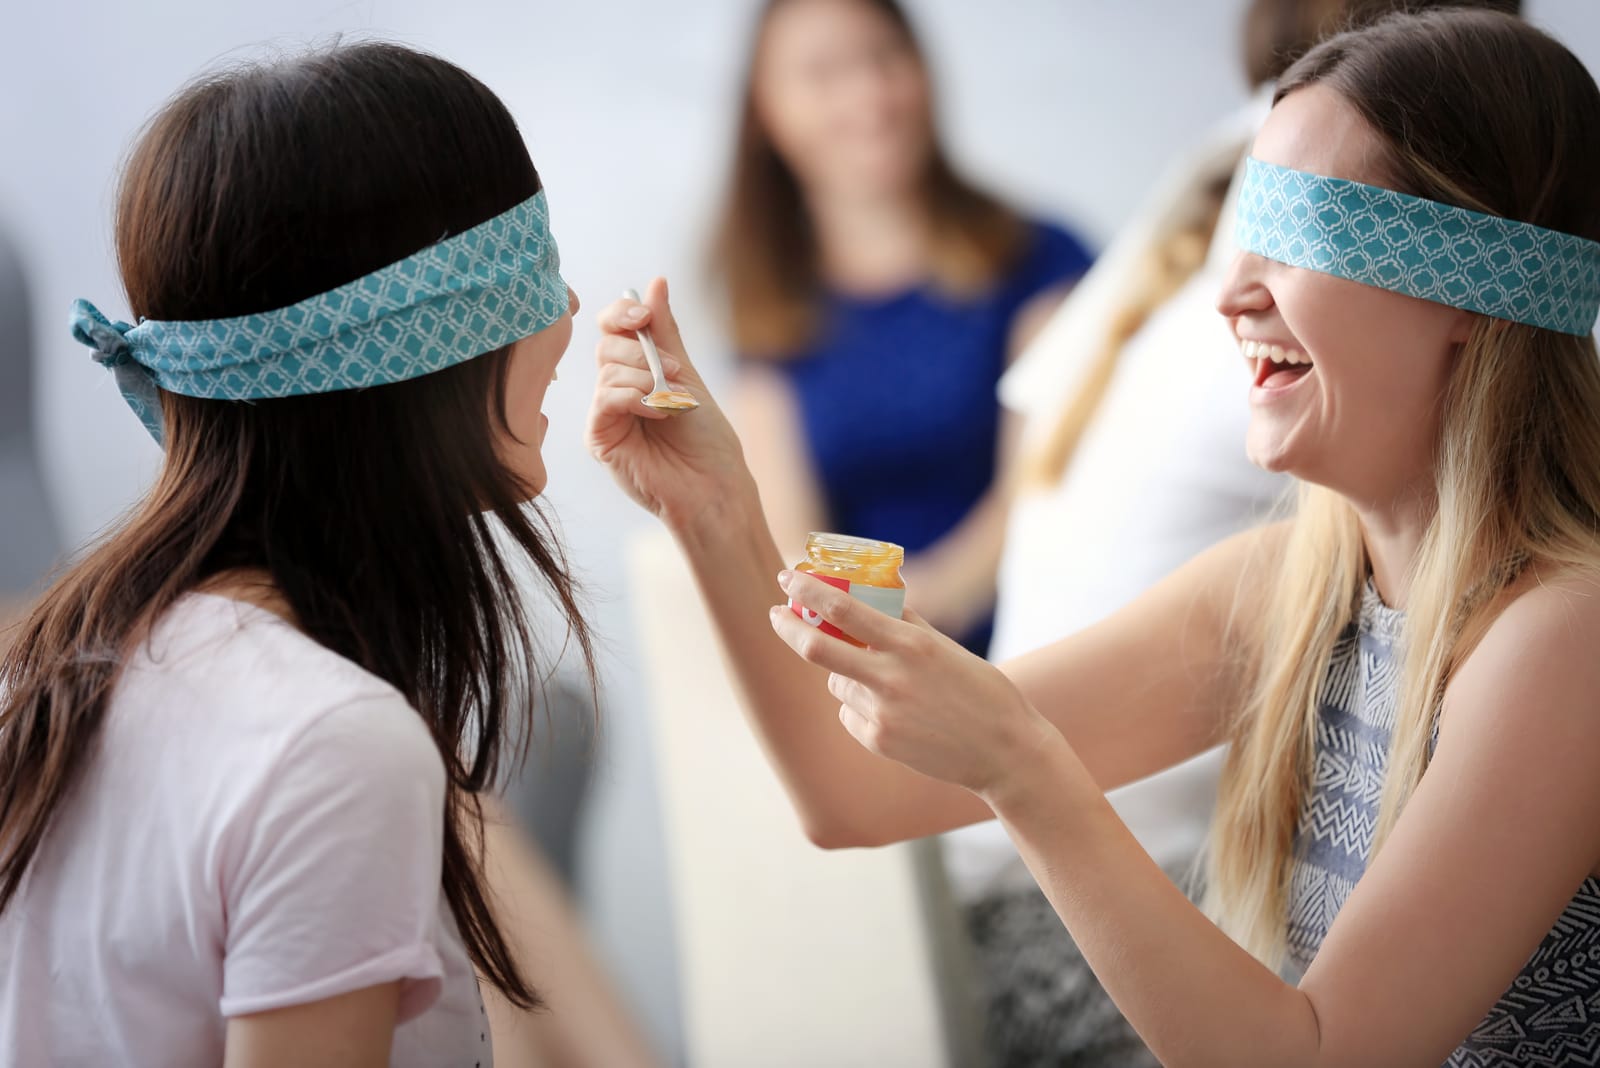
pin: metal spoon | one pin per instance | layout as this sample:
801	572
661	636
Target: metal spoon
663	398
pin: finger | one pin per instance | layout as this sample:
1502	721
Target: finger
623	401
815	647
619	375
839	608
664	325
615	348
849	691
861	728
623	316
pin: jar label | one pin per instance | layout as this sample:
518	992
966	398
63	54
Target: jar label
891	601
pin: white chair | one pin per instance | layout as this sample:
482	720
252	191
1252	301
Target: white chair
791	956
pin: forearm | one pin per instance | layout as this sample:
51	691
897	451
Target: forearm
844	794
952	582
1193	995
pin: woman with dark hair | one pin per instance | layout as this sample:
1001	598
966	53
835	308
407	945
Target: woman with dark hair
875	297
242	739
1405	861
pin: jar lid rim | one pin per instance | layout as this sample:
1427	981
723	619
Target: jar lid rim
847	543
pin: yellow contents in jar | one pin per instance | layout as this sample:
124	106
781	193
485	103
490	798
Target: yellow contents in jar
867	570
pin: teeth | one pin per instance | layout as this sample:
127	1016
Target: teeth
1258	350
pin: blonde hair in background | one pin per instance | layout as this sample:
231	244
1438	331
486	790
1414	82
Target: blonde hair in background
1517	463
1169	263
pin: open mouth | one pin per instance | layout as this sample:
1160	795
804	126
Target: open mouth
1275	366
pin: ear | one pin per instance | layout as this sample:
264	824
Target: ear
1461	324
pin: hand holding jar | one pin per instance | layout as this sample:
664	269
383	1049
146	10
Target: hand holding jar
867	570
908	692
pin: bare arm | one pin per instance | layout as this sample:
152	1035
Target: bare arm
585	1024
956	575
353	1030
765	411
951	582
690	472
1499	835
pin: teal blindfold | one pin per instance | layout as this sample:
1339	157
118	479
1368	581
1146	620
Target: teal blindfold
452	301
1421	248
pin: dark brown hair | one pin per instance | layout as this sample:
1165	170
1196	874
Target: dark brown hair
765	249
1278	32
377	513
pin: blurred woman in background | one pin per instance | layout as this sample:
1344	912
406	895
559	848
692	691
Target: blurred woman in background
875	297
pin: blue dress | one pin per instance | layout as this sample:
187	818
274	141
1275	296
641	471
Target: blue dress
897	399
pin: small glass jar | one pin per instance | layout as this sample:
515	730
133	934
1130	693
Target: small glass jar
867	570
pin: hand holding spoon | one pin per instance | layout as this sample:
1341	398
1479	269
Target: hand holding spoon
662	397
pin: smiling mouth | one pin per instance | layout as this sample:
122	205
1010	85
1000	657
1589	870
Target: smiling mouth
1274	366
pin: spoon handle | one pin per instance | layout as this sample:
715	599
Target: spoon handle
651	356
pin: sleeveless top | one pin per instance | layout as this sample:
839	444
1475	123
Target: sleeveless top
1550	1015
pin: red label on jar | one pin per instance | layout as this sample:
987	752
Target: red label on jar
888	600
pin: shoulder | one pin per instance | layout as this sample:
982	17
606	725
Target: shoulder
1542	651
1052	254
1223	590
1527	697
212	646
252	693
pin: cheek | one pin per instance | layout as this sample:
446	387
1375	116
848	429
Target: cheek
1369	345
908	92
792	118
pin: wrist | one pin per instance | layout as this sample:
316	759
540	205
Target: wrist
1043	777
730	516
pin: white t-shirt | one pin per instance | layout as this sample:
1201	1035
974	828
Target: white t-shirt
1159	475
261	827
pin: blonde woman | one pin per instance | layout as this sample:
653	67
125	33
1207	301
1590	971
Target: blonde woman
1405	855
1132	463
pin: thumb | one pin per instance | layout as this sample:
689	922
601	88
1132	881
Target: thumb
663	325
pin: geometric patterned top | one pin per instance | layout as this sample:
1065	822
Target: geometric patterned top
1550	1015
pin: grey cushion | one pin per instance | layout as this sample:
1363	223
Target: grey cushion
29	539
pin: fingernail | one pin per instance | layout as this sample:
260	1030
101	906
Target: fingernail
634	314
784	578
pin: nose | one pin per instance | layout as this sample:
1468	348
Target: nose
1244	288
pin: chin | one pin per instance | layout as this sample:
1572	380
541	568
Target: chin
532	482
1273	456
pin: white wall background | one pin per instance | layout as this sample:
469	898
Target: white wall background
1068	106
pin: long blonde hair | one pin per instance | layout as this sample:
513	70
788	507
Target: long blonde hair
1482	111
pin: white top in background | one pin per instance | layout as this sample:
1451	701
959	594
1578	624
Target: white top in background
1159	475
262	826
